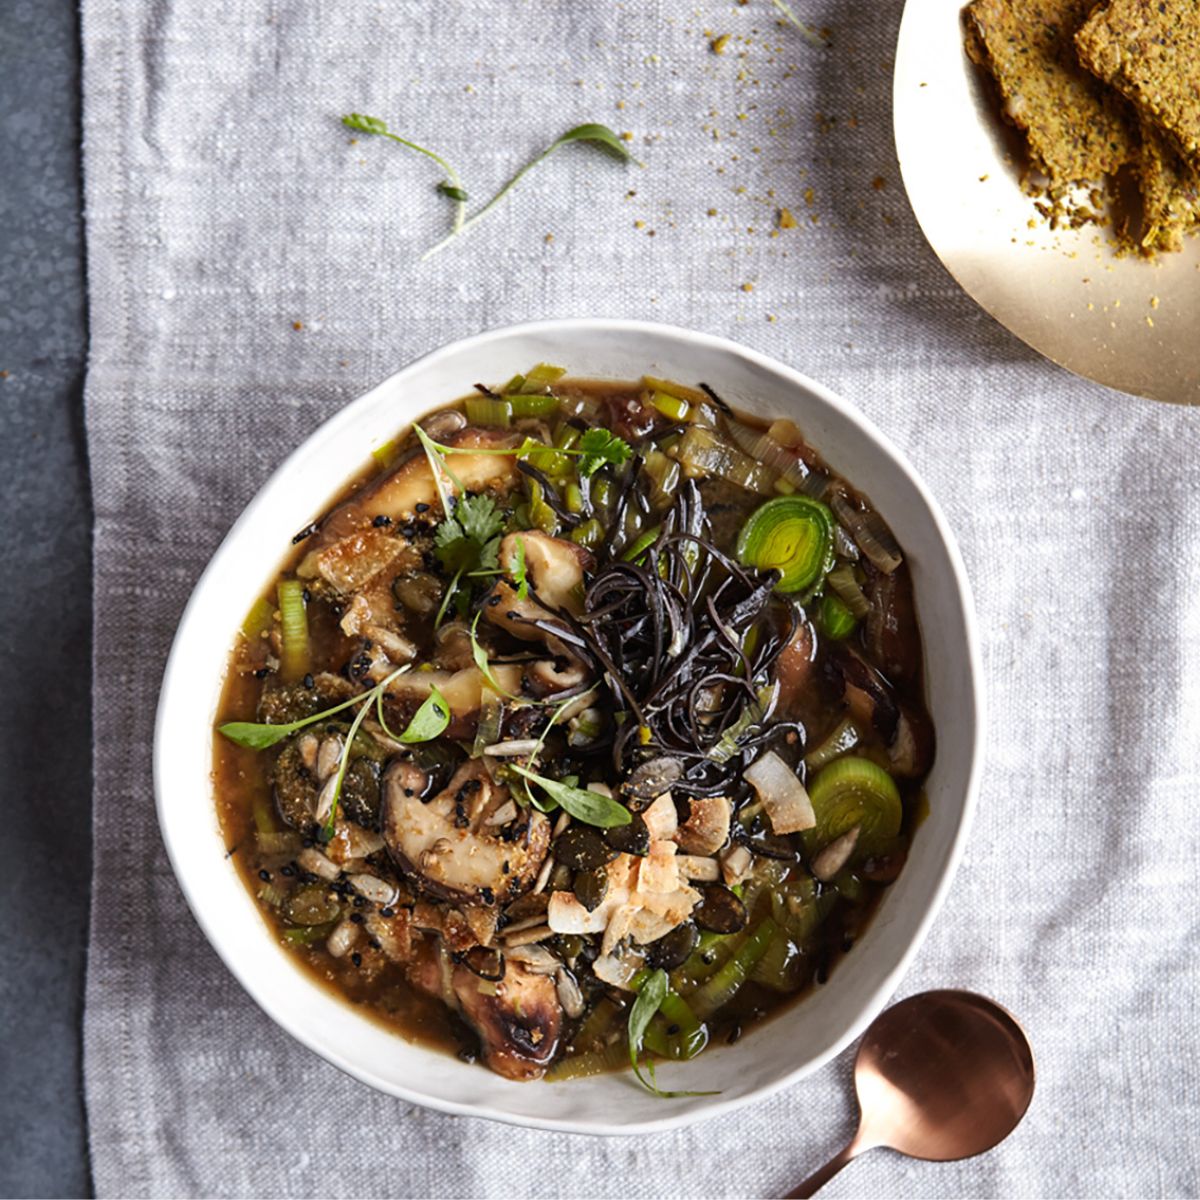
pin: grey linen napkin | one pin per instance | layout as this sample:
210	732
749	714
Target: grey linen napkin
252	269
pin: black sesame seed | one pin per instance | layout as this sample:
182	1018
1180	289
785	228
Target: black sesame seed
356	918
356	959
487	895
308	682
387	912
265	876
375	944
421	507
381	520
359	902
672	1030
307	595
262	672
287	871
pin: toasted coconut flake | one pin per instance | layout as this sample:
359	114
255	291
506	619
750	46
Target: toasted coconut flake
693	866
735	864
707	828
661	819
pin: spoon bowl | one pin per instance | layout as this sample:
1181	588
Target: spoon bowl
940	1076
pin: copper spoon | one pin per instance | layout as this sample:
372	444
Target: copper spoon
940	1076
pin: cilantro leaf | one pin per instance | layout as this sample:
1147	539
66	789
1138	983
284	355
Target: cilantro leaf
479	517
600	447
462	540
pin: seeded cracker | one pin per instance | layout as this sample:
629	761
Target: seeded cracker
1170	186
1150	51
1078	131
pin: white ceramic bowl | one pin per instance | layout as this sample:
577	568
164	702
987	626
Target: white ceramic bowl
779	1052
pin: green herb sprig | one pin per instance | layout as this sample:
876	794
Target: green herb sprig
650	997
589	807
428	722
450	187
467	542
592	134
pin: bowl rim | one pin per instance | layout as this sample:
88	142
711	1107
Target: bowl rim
347	416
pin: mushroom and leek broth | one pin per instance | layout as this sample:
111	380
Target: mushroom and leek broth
586	728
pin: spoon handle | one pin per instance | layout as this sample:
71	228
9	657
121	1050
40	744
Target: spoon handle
818	1179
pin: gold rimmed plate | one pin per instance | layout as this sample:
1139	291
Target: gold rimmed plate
1127	322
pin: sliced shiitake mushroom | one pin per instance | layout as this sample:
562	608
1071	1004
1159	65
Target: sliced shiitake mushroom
485	961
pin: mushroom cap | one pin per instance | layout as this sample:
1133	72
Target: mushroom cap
445	846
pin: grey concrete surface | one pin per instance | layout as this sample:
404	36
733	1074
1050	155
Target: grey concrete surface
45	606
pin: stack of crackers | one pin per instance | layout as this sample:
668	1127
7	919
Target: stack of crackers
1097	88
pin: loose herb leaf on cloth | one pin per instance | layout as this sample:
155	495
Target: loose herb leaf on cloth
589	807
451	187
593	134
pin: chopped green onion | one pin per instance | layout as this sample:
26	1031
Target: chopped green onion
674	408
792	535
845	583
533	406
484	410
264	816
590	533
593	1062
849	792
294	626
663	473
843	739
259	619
670	388
837	621
541	515
725	984
513	385
566	437
542	376
641	544
384	454
573	498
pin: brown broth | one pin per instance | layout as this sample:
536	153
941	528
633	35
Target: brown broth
367	979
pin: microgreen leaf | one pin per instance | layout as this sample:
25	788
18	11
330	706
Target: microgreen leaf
600	447
653	991
589	807
518	571
479	654
451	187
597	135
344	759
649	999
429	721
259	736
